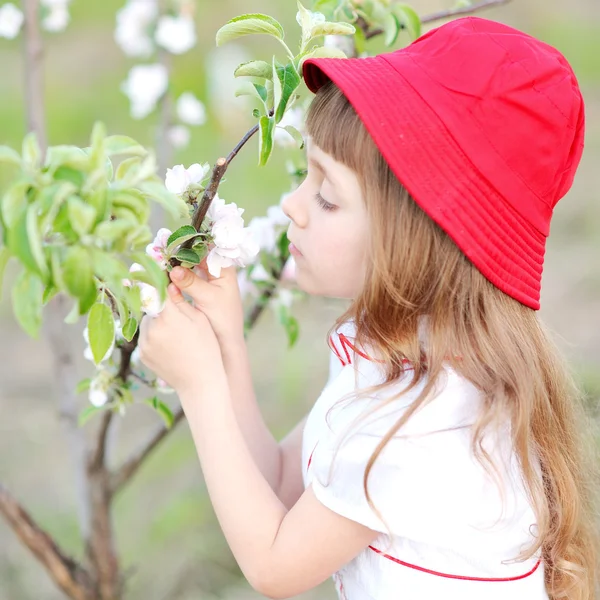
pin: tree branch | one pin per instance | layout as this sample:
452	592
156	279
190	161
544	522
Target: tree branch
444	14
131	466
68	575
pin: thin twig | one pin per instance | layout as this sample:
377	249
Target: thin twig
68	575
445	14
132	465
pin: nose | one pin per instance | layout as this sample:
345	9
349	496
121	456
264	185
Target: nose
293	206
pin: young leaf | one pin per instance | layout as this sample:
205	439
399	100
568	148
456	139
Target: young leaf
78	273
409	19
296	135
9	156
27	302
327	7
188	256
31	150
126	166
289	80
81	215
158	277
83	386
71	156
162	409
101	331
249	24
253	68
130	328
88	412
121	144
14	202
181	235
391	28
267	131
172	203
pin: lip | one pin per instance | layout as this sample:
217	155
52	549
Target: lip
294	250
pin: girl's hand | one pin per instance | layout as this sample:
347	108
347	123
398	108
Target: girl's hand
180	345
218	298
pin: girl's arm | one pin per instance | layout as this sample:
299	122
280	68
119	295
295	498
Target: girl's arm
279	463
281	552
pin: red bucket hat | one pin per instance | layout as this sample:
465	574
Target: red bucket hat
484	126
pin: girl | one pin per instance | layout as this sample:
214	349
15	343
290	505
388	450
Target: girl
444	458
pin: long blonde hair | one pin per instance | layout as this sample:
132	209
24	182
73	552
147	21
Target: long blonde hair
416	269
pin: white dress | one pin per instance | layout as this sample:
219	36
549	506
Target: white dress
452	536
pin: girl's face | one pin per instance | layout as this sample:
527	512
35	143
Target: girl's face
329	228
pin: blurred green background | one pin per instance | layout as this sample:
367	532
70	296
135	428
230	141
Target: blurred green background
166	529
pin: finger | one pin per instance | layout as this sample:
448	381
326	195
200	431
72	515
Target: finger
176	299
192	284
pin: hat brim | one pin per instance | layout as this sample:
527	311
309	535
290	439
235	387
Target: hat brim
437	173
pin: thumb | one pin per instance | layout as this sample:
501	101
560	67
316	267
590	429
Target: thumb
190	283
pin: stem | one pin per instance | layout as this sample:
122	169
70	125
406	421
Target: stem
66	573
289	52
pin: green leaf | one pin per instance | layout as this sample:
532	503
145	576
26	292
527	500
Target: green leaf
290	324
409	19
90	411
34	237
10	156
188	256
132	200
78	273
267	131
296	135
391	27
327	7
109	268
27	302
187	232
249	24
64	173
321	52
329	28
253	68
162	409
73	315
25	243
49	292
121	144
287	84
176	207
71	156
31	150
97	150
81	215
4	258
127	165
101	331
83	386
158	277
14	202
130	328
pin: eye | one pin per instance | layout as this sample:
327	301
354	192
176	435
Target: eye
323	203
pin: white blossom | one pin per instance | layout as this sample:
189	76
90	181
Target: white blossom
240	255
191	110
57	18
284	297
163	387
151	302
218	209
179	179
264	233
345	43
99	387
11	21
144	87
176	34
246	286
158	247
259	273
133	22
289	270
179	136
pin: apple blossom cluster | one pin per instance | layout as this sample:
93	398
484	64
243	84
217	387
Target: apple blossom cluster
140	31
54	17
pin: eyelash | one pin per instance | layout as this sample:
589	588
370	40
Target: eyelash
323	203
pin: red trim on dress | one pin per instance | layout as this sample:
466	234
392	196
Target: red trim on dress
462	577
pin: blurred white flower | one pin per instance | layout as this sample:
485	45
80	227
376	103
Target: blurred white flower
157	248
163	387
284	297
264	233
135	356
289	270
276	215
345	43
176	34
179	136
144	87
133	23
259	273
179	179
11	21
293	117
99	387
191	110
57	18
247	288
151	303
